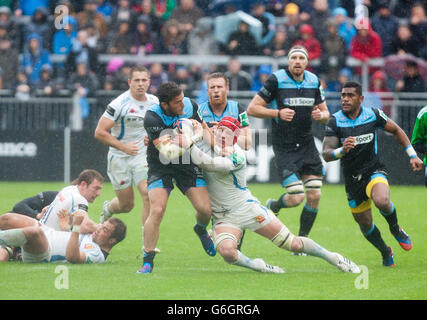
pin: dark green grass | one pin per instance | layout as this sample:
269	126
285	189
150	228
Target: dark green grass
184	271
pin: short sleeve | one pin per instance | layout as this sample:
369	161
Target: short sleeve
153	124
331	129
269	89
320	95
197	112
243	116
381	117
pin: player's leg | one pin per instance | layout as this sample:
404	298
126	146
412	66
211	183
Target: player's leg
363	216
158	196
378	190
199	198
293	196
312	184
226	243
15	220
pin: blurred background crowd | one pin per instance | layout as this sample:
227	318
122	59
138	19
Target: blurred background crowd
46	53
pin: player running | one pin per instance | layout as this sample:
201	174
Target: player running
351	135
419	136
121	127
235	209
292	98
165	165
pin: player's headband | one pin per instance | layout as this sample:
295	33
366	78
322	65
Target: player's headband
298	50
232	124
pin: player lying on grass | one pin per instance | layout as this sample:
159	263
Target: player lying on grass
235	209
86	243
351	135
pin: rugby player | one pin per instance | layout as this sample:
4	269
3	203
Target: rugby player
165	164
35	206
351	135
292	98
419	136
235	209
84	190
121	127
86	243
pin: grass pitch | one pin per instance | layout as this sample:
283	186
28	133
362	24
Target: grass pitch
183	271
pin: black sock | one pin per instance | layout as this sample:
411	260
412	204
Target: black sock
279	204
391	219
200	229
374	237
149	258
308	215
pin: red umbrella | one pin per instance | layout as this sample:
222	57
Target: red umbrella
395	65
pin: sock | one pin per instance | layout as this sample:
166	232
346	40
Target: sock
149	258
308	215
374	237
13	237
244	261
391	218
313	249
200	228
279	204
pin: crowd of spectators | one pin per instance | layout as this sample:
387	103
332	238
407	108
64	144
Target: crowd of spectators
34	31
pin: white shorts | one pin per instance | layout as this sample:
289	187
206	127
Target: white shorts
125	172
38	257
252	215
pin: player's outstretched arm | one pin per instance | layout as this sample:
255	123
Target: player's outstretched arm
258	108
403	140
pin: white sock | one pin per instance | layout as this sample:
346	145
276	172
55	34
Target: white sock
13	237
313	249
244	261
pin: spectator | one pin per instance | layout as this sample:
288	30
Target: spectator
418	22
121	77
45	87
280	44
412	80
242	42
292	21
144	9
12	28
89	15
201	40
22	89
40	24
239	80
28	7
268	22
334	52
158	77
261	76
9	64
345	28
385	24
184	80
83	81
402	8
81	52
123	12
172	40
106	9
405	43
122	39
187	14
63	42
378	84
34	58
318	18
366	45
309	42
143	39
162	9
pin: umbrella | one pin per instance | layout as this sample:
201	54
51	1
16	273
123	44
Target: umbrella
395	65
224	25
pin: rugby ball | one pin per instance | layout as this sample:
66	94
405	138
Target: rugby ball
184	126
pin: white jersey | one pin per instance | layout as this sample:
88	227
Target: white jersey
69	199
128	115
58	241
228	190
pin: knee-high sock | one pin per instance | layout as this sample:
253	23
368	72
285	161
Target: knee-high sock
313	249
308	215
